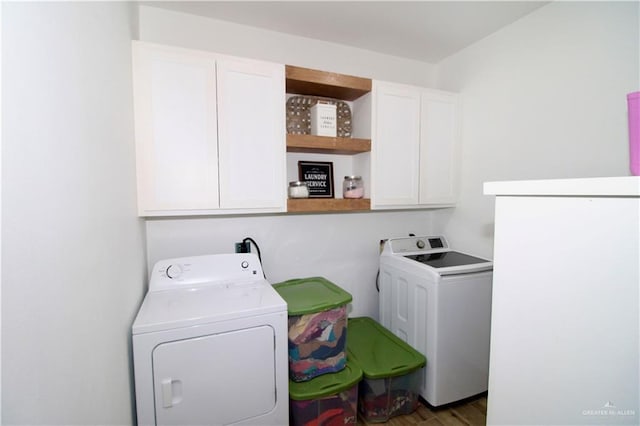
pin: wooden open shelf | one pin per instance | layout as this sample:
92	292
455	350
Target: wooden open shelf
327	145
305	81
305	205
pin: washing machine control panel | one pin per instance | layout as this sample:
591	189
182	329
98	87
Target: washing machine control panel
205	270
415	244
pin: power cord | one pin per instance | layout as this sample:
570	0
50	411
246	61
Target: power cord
252	241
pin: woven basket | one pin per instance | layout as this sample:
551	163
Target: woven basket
299	115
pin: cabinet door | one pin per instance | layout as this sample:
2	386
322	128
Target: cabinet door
438	148
251	131
395	145
176	134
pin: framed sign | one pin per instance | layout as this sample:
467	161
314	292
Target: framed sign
319	178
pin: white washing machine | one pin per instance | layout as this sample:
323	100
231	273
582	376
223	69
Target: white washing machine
439	301
210	345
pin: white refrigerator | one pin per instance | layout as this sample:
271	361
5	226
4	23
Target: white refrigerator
565	334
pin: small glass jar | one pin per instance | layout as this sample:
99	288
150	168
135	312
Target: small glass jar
298	189
352	187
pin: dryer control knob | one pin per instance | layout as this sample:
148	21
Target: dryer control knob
420	244
244	264
174	271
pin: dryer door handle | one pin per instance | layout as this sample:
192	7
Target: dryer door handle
171	392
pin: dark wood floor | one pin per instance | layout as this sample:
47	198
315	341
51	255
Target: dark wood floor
471	412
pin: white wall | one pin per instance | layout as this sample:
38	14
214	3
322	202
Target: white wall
1	80
344	248
190	31
73	266
543	98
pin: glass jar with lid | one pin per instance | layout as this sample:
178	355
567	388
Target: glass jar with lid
352	187
298	189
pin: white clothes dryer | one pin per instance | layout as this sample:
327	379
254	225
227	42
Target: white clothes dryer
210	344
439	301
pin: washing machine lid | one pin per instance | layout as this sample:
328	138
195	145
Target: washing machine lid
446	259
177	308
451	262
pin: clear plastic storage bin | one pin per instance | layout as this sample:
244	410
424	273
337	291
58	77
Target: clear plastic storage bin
317	326
330	399
391	371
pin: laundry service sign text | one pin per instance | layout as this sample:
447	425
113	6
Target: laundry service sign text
319	178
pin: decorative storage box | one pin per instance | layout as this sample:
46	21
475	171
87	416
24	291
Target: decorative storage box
330	399
323	119
391	369
317	326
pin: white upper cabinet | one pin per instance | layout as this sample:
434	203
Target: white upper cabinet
210	135
176	130
414	147
439	136
395	145
251	134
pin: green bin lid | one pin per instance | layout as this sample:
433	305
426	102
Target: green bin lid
378	352
326	384
310	295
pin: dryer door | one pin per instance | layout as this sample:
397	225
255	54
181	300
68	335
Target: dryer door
217	379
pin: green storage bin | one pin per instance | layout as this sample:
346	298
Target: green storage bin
317	326
391	369
327	399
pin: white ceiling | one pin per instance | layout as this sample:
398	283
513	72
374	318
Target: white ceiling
427	31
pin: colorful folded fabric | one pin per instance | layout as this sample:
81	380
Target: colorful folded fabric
317	343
